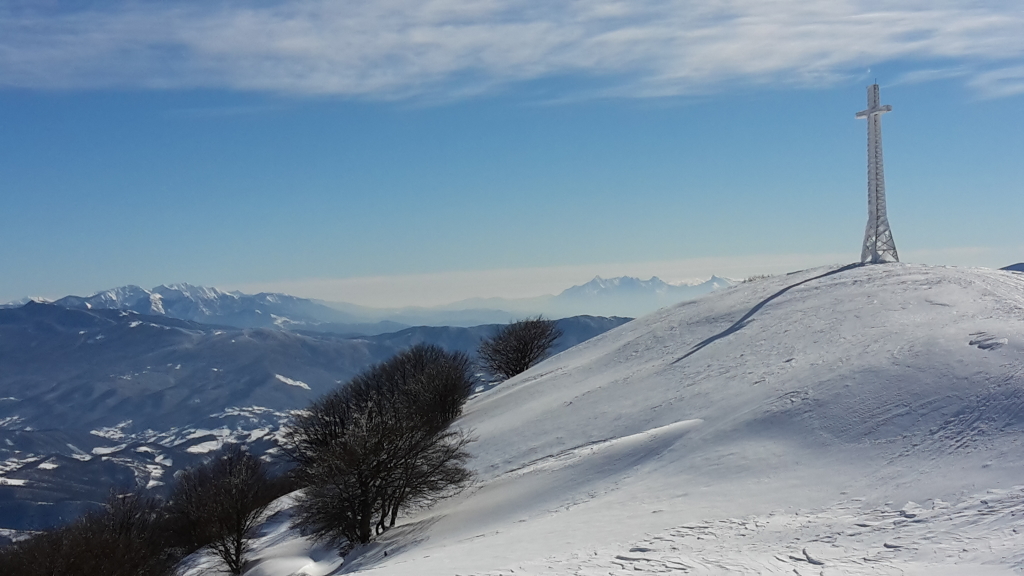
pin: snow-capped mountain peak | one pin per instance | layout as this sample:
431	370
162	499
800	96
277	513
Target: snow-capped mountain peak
629	296
193	292
22	301
128	297
620	283
211	305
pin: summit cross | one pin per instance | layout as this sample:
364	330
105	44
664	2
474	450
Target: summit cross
878	243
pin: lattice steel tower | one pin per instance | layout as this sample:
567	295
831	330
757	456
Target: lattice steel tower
878	243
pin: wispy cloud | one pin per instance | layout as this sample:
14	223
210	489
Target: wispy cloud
930	75
447	287
450	48
1001	82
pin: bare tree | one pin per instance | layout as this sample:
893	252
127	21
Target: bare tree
132	531
518	346
125	538
381	444
219	505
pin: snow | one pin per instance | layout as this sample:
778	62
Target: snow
283	321
858	420
14	464
291	382
845	538
22	301
205	447
114	433
155	472
248	411
156	304
15	535
192	292
104	450
220	436
79	454
221	432
257	434
11	421
278	551
12	482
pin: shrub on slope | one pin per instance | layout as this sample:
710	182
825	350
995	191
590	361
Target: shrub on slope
380	444
518	346
219	505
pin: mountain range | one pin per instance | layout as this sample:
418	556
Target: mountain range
621	297
213	306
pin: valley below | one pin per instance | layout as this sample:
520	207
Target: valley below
97	399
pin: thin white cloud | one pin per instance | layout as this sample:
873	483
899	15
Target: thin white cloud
446	287
402	48
1001	82
930	75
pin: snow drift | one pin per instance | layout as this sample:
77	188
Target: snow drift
864	419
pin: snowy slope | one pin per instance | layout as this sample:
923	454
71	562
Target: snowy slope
863	420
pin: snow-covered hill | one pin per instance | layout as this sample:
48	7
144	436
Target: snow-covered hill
856	420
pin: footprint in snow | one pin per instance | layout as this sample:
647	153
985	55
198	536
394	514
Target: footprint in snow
986	341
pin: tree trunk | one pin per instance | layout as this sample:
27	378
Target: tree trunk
365	529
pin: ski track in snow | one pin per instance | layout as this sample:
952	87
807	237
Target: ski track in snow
983	534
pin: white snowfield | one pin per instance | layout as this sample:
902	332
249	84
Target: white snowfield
291	382
860	420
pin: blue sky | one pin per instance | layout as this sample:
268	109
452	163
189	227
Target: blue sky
398	152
